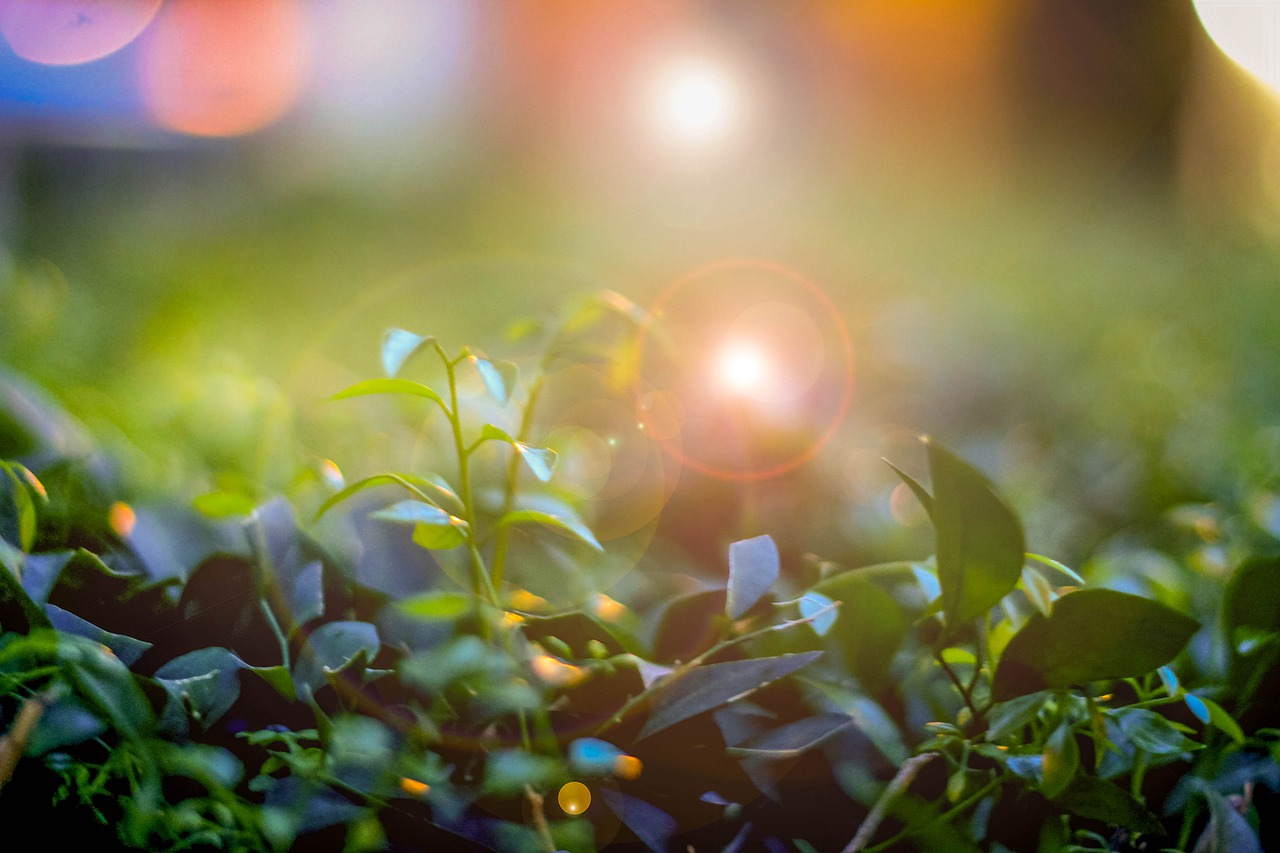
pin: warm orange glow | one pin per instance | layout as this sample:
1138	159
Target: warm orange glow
70	32
607	608
628	767
223	67
413	787
555	672
522	599
121	519
574	798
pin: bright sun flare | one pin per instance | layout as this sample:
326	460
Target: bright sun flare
697	101
743	368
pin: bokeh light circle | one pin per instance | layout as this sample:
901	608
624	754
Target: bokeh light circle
71	32
223	67
753	350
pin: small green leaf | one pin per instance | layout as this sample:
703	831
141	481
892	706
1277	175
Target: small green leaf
1060	760
980	545
710	686
205	680
1148	730
1169	680
1092	635
24	508
1038	590
753	570
223	504
398	346
279	678
437	605
64	723
1009	718
435	537
572	526
499	377
1220	718
419	513
540	460
389	386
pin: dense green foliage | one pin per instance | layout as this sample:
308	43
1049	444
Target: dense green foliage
364	666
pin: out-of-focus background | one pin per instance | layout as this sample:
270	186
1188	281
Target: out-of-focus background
1044	231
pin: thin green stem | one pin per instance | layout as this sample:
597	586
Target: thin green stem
1139	773
942	819
513	475
481	584
279	633
964	691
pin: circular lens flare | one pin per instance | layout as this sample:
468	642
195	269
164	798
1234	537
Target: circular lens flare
71	32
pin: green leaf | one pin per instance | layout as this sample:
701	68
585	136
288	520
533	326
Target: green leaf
980	544
572	526
421	487
420	514
330	648
23	507
540	460
438	538
437	605
1009	718
1252	597
870	626
753	570
710	686
651	825
1091	797
1092	635
279	678
508	771
1060	760
16	607
398	346
926	500
499	377
390	386
222	504
126	648
1148	730
104	684
1220	718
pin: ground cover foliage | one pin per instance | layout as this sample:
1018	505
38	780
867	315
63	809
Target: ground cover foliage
443	657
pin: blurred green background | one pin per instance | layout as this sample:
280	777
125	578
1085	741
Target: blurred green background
1048	230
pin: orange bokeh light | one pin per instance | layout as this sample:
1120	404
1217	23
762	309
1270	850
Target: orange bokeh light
223	67
71	32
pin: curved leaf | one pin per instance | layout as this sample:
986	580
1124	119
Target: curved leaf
417	486
417	512
389	386
437	605
398	346
869	626
980	544
499	377
1091	797
753	570
1092	635
540	460
792	739
572	526
330	648
713	685
652	825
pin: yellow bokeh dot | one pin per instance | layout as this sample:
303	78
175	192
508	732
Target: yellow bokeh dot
574	798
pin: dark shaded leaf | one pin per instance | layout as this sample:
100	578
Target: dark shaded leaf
1060	761
651	824
104	684
1148	730
17	611
793	739
713	685
980	544
1228	831
1092	635
1091	797
127	649
753	570
1252	598
286	572
1010	717
64	723
204	681
330	648
398	346
40	573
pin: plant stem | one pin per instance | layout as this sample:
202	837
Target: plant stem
900	782
1139	772
540	818
513	475
960	686
275	629
942	819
